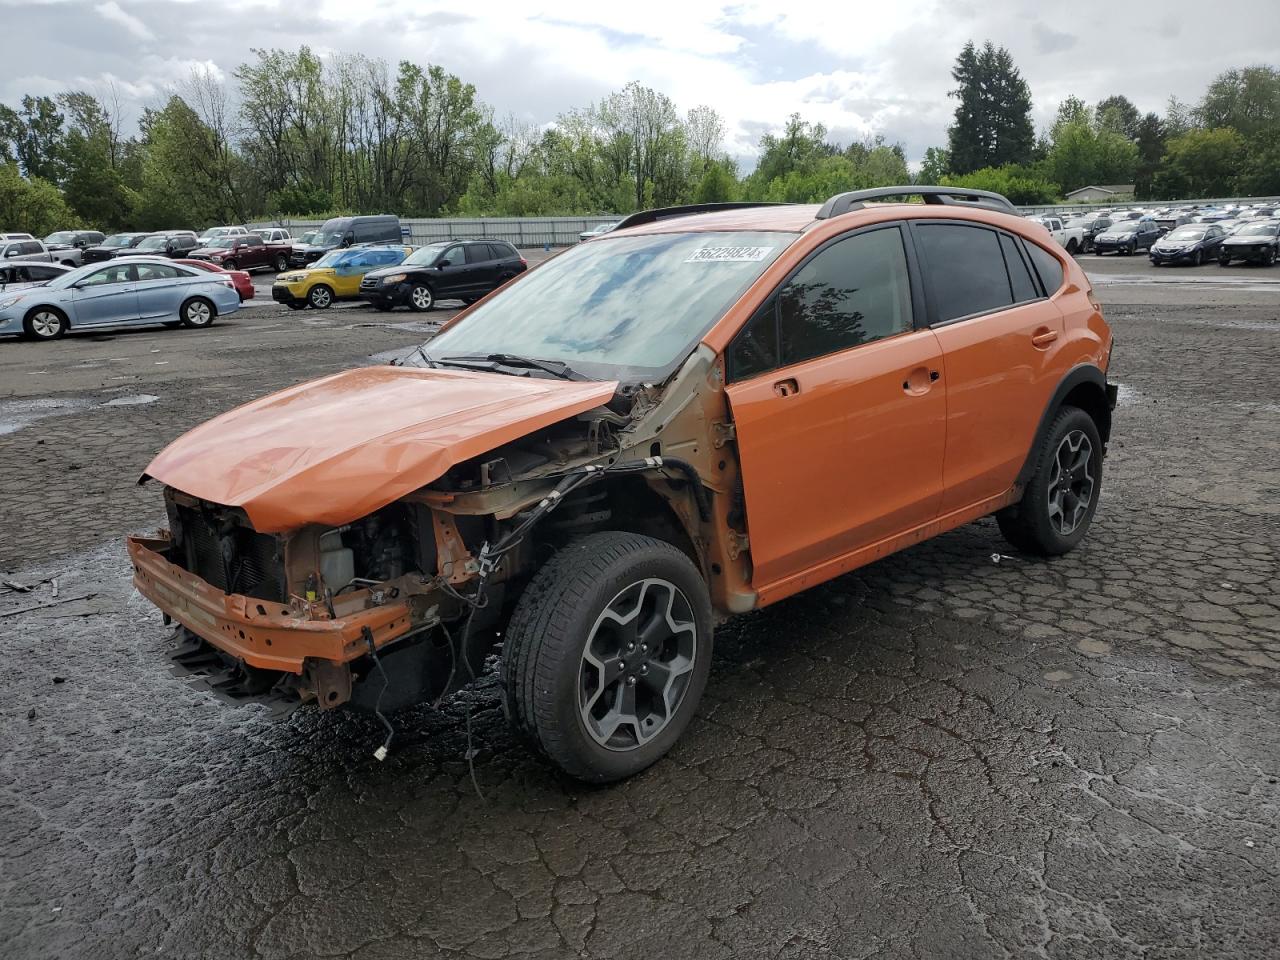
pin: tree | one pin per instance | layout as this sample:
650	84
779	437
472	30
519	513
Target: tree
1177	118
718	183
1119	115
32	205
1151	145
705	134
936	165
93	183
1084	151
993	118
1247	101
1019	186
33	136
1200	163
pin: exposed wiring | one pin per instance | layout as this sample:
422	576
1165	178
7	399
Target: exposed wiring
382	751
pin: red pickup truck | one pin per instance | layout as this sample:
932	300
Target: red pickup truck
249	252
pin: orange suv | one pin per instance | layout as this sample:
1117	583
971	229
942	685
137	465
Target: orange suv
700	413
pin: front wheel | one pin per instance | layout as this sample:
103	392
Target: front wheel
1199	261
45	323
1268	258
197	313
320	297
421	298
1058	503
1224	261
229	265
607	654
1072	247
282	263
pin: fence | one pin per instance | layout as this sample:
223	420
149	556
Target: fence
522	231
563	231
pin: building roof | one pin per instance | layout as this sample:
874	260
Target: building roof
1109	188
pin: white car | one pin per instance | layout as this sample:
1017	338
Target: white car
1070	238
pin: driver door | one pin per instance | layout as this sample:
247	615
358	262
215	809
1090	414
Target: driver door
839	410
108	295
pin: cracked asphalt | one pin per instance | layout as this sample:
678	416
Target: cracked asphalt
958	752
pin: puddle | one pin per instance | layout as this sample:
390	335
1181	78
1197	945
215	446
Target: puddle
18	414
134	401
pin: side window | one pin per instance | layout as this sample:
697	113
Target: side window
455	256
966	269
853	292
755	349
388	257
1048	266
119	273
478	252
1024	287
253	240
32	246
158	271
39	272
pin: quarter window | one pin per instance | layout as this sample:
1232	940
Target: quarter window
966	269
1048	266
158	271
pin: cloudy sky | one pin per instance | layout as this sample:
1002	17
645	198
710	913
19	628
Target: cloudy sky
857	67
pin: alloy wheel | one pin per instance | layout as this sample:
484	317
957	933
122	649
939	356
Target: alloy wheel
421	298
1071	482
198	314
46	324
320	297
637	664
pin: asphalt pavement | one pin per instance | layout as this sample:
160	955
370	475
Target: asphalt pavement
958	752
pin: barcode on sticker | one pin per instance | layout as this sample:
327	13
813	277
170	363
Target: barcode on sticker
729	255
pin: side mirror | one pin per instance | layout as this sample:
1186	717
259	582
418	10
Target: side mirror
441	264
11	253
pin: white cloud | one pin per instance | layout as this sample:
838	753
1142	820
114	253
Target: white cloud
116	14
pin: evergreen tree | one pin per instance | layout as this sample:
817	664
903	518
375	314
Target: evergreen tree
993	118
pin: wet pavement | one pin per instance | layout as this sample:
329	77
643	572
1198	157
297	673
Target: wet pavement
956	752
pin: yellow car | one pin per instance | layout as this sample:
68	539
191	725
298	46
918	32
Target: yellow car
335	276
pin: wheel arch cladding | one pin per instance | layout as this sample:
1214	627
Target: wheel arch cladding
1084	386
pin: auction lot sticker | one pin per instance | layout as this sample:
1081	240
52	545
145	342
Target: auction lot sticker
729	255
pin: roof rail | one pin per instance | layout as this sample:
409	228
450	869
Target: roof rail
952	196
665	213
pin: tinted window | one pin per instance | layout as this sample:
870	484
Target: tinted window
504	251
755	349
158	271
478	252
388	257
31	246
1048	266
1024	287
120	273
966	269
853	292
455	256
253	240
38	272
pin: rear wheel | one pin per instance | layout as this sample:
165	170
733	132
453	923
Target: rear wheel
197	313
320	297
421	298
1224	261
45	323
607	654
1072	246
1058	503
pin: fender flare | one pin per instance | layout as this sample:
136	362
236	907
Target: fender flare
1085	373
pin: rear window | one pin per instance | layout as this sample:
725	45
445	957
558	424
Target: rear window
966	269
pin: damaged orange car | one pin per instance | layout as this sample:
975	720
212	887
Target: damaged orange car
699	414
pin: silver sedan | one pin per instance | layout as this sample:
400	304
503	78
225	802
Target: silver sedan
133	292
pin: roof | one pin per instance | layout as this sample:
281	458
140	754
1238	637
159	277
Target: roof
1108	188
789	218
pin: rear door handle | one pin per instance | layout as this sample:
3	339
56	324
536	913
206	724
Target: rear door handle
1043	337
786	388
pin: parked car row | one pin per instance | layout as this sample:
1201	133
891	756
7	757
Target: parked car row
126	292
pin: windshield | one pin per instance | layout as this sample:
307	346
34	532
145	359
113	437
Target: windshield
424	256
1257	230
626	307
1072	224
332	233
153	243
62	236
1186	233
118	240
1129	226
220	243
332	258
309	236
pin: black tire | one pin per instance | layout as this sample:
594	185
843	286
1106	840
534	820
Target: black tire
1268	258
1029	525
282	263
421	298
45	323
230	265
543	652
1224	261
1199	261
320	297
1072	246
1133	248
197	313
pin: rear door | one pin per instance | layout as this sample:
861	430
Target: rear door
998	332
160	288
482	268
839	411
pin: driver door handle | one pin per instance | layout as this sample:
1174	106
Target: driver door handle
1043	337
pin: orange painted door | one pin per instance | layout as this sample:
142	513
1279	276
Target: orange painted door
1001	371
840	451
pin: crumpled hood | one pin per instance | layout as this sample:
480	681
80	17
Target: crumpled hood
334	450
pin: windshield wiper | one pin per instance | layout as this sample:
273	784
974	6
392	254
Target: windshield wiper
554	367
